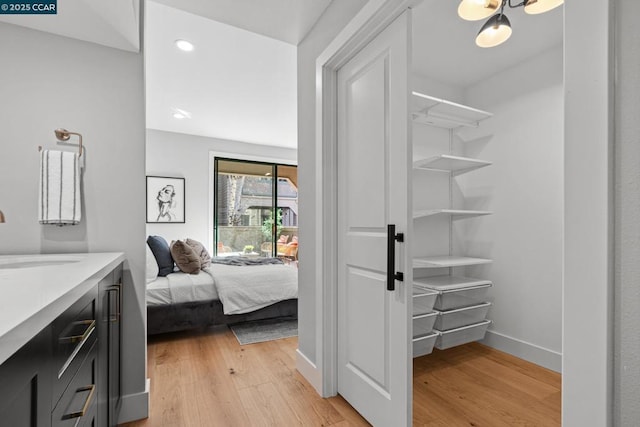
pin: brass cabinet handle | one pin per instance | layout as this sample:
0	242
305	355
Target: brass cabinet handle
91	388
80	339
90	324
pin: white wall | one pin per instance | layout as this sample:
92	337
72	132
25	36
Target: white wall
627	218
436	88
524	190
187	156
337	15
47	82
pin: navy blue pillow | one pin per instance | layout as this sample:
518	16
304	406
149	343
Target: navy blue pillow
161	251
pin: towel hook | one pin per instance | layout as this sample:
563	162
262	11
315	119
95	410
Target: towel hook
64	135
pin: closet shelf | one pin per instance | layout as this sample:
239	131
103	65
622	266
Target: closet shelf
432	111
448	163
454	213
450	283
447	261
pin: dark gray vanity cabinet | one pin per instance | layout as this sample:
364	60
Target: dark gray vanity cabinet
25	385
69	374
74	366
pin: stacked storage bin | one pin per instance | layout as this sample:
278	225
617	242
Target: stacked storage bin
424	318
459	307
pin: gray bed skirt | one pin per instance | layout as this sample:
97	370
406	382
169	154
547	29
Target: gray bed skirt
202	314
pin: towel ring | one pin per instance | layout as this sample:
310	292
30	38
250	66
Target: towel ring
64	135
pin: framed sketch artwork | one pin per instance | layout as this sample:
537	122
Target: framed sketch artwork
165	199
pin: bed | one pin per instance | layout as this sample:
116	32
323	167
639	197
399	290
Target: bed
221	294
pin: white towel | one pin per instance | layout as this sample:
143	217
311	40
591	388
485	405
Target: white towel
59	188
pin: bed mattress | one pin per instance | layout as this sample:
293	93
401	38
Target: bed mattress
192	287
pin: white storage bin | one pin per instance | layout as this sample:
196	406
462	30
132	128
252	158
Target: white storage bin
451	319
455	291
423	300
424	345
459	336
462	297
423	323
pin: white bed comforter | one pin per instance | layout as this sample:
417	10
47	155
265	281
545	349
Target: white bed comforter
184	287
246	289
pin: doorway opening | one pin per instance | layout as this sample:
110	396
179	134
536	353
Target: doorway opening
512	104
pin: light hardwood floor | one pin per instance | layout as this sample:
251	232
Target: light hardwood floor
203	379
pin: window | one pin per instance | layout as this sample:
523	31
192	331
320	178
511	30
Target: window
253	210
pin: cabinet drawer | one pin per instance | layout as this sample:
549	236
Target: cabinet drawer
423	323
78	404
463	335
423	345
462	297
423	300
74	333
452	319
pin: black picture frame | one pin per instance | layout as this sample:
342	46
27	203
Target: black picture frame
165	200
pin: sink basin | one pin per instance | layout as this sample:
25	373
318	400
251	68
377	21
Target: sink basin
37	261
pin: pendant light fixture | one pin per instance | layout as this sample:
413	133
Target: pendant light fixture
495	31
498	28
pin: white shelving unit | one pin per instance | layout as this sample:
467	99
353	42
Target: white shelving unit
457	296
454	213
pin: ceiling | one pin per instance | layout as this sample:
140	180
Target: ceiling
445	50
113	23
285	20
240	83
237	85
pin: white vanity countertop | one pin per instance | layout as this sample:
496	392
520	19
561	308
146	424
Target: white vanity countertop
36	289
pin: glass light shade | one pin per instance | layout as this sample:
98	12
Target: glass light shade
533	7
494	32
474	10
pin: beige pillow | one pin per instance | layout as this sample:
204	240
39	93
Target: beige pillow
205	258
187	260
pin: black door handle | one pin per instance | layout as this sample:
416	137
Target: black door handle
392	238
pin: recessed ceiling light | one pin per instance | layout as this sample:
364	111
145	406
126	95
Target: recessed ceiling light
185	45
181	114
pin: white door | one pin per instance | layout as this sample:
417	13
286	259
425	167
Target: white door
374	358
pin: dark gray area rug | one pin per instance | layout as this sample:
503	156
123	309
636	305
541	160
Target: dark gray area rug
264	330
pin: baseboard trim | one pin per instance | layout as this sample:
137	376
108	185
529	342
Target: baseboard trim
530	352
135	406
309	370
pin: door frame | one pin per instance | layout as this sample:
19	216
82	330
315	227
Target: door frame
587	386
374	17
